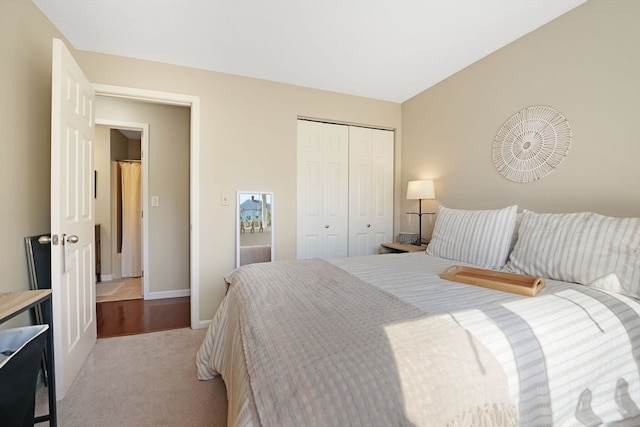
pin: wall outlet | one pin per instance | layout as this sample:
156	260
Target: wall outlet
224	200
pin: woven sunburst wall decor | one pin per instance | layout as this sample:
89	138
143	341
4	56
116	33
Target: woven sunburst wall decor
531	144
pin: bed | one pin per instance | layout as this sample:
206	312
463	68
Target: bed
384	340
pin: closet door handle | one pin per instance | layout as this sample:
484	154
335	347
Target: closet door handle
326	226
368	225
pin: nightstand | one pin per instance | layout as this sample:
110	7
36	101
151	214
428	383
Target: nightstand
400	247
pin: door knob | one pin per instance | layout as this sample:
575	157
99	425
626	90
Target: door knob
45	240
368	225
326	226
72	239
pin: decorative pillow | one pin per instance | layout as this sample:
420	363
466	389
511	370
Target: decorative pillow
480	237
578	247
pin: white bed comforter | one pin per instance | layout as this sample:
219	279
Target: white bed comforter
571	354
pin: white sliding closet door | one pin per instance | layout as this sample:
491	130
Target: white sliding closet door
370	189
322	194
345	190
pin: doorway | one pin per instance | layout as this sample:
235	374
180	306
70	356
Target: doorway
119	145
193	103
165	214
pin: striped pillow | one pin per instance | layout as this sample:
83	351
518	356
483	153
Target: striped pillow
480	237
579	247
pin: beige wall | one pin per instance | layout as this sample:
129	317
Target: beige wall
102	206
586	64
168	158
25	135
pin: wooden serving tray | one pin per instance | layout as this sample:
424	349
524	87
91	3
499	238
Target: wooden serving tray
507	282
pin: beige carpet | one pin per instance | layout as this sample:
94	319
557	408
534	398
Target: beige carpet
131	289
142	380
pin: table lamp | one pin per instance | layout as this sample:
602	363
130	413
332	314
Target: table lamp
420	190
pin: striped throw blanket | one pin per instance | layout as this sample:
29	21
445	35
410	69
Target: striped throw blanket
324	348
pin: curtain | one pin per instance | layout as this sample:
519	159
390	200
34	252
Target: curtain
131	219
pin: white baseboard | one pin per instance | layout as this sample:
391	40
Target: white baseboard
168	294
106	277
201	324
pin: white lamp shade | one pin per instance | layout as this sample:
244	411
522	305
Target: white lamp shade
422	189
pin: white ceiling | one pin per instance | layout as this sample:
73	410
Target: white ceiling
382	49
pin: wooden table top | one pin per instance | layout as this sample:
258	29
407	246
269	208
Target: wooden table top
14	302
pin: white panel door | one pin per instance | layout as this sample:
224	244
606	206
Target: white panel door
72	217
370	190
322	190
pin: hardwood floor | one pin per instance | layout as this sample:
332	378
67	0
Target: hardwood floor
117	318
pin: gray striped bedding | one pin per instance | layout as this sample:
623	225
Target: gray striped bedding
571	354
579	247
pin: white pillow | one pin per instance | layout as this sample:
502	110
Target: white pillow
610	282
578	247
480	237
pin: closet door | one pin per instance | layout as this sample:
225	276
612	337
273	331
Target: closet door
370	190
322	193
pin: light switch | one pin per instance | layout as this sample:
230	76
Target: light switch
155	201
224	199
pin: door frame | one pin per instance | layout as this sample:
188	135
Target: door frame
144	145
193	102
